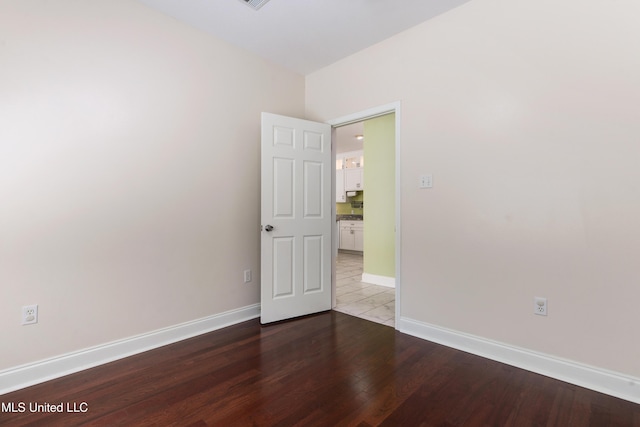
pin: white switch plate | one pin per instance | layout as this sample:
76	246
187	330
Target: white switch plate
426	181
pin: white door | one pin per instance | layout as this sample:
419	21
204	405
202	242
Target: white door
295	218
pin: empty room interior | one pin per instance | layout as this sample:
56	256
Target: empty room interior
131	194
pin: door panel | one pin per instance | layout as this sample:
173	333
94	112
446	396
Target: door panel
313	180
296	217
283	266
313	251
314	141
283	193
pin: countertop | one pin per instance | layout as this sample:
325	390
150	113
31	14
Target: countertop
348	217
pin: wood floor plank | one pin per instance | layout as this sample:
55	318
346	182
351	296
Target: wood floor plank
329	369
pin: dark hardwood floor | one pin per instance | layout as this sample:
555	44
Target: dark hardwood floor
329	369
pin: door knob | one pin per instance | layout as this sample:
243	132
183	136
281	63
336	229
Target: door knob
268	227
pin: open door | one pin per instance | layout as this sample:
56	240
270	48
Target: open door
295	217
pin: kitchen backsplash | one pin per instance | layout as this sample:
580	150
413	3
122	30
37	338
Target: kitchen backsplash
347	208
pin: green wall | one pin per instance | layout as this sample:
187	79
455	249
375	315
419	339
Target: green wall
345	208
379	184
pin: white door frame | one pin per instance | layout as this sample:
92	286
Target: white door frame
358	117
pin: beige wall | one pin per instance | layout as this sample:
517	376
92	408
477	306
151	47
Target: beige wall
526	113
129	172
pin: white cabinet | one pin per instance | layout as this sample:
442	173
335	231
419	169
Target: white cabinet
341	196
351	235
358	239
353	159
353	179
349	174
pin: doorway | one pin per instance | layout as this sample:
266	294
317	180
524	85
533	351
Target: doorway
361	299
369	286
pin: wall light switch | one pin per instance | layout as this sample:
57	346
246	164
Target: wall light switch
426	181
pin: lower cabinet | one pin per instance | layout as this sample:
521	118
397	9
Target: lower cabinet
351	235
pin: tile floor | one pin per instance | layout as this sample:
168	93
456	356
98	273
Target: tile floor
364	300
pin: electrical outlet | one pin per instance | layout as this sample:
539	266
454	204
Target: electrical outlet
247	276
540	306
30	314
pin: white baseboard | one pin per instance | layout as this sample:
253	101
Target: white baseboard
389	282
34	373
600	380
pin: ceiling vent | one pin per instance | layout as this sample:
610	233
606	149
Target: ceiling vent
256	4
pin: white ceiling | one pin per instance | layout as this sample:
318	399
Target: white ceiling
346	137
304	35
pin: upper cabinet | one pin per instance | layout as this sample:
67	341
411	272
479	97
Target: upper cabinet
353	179
353	160
349	173
341	195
